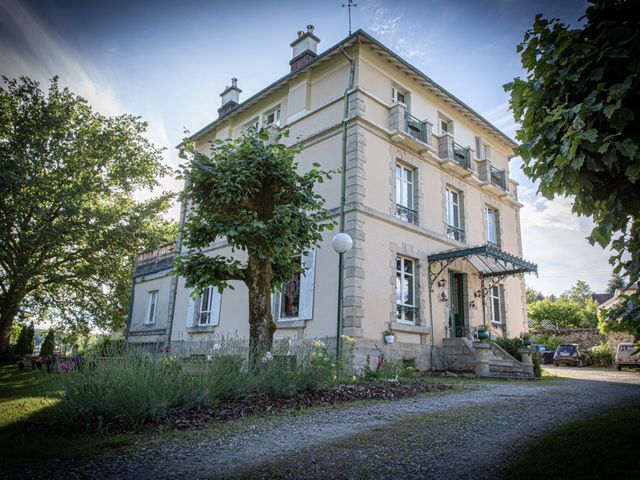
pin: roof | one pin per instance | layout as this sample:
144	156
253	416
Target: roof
488	260
360	36
601	297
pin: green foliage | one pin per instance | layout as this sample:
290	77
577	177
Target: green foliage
615	282
601	355
48	345
249	191
537	364
562	313
511	346
70	226
533	296
579	111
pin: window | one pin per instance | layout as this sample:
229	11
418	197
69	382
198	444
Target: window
492	225
209	307
405	194
495	302
295	300
400	96
406	310
152	308
272	118
290	297
454	226
445	124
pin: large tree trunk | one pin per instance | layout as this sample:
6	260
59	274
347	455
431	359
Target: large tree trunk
9	304
261	326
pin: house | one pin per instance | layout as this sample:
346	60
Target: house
428	201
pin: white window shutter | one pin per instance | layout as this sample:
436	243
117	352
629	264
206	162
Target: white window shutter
307	280
216	303
191	305
275	305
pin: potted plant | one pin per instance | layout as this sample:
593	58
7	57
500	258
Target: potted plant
483	333
389	336
526	340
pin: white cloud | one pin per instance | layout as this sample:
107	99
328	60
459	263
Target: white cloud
384	22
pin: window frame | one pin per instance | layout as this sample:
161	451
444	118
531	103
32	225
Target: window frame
398	90
494	214
495	294
208	294
401	277
405	192
450	211
443	119
277	111
150	317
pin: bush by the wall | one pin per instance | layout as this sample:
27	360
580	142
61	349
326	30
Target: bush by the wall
548	341
511	346
601	355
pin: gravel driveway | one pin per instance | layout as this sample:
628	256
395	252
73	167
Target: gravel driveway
473	433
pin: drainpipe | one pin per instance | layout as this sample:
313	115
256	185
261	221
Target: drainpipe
431	318
174	278
343	195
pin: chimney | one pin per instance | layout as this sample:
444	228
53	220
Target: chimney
304	49
230	98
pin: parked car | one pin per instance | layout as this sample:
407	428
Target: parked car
569	354
625	356
546	354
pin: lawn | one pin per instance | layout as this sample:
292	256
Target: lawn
24	395
595	447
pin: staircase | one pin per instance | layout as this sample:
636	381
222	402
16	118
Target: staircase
459	354
503	365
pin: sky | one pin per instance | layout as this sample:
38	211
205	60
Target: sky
168	62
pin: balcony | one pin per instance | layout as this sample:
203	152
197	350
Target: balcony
151	261
455	233
454	157
409	130
406	313
492	178
406	214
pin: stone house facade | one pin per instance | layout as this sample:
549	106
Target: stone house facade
428	201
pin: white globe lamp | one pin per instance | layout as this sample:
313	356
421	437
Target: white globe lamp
342	243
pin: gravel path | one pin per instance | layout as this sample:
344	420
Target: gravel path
470	434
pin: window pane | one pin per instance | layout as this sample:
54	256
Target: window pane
408	266
398	287
290	300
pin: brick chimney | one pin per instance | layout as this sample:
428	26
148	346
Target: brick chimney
230	98
304	49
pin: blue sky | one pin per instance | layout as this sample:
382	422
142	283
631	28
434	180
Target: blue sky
168	61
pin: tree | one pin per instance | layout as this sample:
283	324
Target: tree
49	344
581	292
249	192
579	114
68	220
25	342
615	282
533	295
561	314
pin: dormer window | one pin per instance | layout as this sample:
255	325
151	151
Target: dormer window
272	118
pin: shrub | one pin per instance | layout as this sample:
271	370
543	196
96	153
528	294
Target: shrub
48	345
601	355
537	367
25	342
511	346
549	341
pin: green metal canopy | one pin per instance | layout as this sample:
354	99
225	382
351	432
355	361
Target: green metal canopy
488	260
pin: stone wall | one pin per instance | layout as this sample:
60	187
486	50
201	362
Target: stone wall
585	337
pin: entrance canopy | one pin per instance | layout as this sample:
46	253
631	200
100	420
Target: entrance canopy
488	260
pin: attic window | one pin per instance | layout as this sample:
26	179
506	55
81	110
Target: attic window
272	117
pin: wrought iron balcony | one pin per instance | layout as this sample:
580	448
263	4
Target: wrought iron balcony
406	313
498	177
462	155
406	214
455	233
416	128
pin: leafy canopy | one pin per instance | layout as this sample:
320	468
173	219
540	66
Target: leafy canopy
69	225
579	111
249	192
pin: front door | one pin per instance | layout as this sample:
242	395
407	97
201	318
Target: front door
456	305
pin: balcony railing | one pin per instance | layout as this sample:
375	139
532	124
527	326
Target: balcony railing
406	214
154	260
462	155
406	313
455	233
416	128
498	177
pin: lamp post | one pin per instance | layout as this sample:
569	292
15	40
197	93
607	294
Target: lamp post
341	243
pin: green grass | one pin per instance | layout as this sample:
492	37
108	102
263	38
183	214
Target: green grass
595	447
24	395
